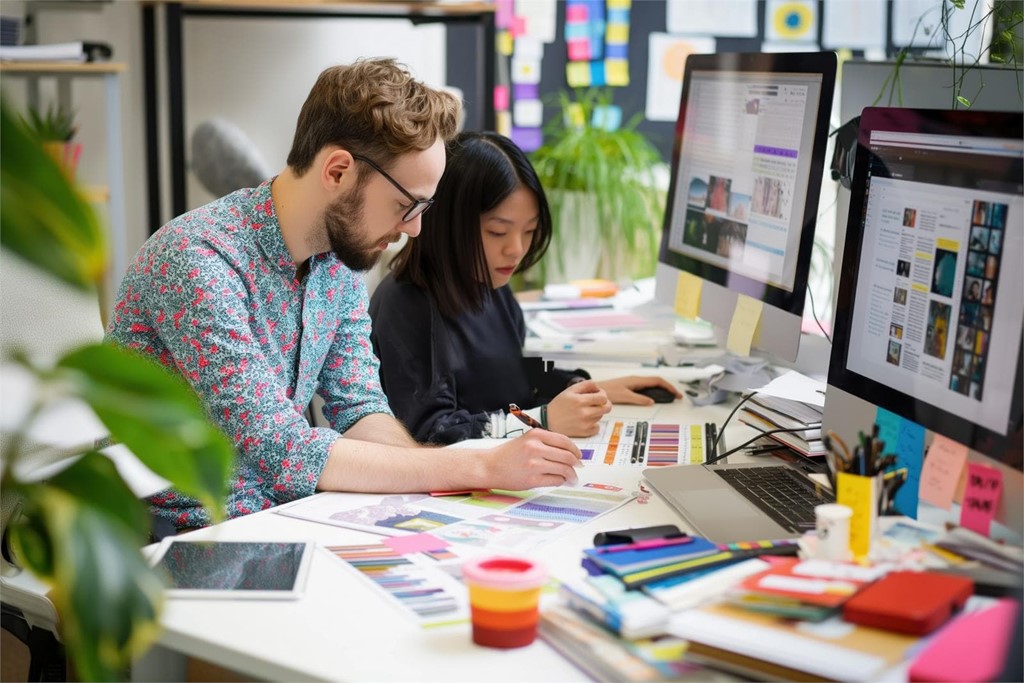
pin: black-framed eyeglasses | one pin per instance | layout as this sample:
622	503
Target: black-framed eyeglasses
418	205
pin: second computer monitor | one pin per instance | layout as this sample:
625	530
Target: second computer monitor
747	164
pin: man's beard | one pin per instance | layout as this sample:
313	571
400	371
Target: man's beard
343	221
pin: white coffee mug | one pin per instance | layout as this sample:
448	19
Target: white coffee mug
832	523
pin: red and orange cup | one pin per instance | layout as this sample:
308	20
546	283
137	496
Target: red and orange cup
504	598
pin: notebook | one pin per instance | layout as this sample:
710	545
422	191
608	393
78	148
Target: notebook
738	502
648	443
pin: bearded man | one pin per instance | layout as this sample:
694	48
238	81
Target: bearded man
257	300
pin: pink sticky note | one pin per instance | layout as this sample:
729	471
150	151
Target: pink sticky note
501	97
941	471
503	13
417	543
578	50
981	498
517	27
576	14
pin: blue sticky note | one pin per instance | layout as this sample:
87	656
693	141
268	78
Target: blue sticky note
597	77
910	454
616	51
618	16
905	440
607	117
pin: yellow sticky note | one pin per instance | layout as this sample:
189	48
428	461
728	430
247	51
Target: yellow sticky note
503	122
574	115
746	320
617	34
619	4
616	72
505	43
859	494
687	302
577	74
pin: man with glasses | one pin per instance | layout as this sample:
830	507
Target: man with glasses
257	300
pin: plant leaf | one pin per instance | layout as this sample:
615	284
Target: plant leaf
156	415
106	595
45	220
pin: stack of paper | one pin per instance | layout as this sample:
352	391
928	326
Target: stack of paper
53	52
766	413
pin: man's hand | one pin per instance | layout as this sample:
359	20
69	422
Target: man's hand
623	389
538	458
577	410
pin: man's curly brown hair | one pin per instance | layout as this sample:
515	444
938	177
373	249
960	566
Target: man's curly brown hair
372	107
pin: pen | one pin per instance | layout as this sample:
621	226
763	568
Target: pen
523	417
644	545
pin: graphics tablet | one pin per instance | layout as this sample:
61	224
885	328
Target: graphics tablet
233	569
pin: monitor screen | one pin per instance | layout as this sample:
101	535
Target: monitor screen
929	316
747	165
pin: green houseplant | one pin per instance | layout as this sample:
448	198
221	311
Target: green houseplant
80	531
601	186
55	128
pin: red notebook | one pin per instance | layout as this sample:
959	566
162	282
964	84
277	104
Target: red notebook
909	602
815	582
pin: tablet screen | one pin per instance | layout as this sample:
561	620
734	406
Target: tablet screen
233	569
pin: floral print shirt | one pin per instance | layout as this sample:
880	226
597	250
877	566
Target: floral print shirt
214	294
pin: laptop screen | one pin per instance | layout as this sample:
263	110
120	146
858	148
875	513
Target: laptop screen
930	314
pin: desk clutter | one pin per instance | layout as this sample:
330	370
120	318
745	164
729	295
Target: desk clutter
769	613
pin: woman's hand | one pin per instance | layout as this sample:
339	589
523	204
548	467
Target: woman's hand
577	410
623	389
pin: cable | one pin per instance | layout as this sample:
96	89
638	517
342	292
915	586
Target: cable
750	441
725	424
815	314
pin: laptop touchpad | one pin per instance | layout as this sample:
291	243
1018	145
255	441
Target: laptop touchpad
724	500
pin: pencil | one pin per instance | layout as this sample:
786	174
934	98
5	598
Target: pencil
523	417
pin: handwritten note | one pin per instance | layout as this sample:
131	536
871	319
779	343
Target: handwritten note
905	440
984	486
746	320
859	494
941	471
687	302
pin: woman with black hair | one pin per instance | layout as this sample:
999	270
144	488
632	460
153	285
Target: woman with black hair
446	327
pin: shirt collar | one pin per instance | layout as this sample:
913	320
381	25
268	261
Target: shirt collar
263	221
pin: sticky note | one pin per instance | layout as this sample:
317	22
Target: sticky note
528	113
597	73
576	13
619	4
578	50
525	70
527	139
859	494
403	545
617	33
746	320
505	43
904	439
616	71
687	303
503	122
607	117
517	26
501	99
574	115
577	74
981	498
941	471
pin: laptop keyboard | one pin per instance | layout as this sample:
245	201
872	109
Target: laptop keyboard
781	493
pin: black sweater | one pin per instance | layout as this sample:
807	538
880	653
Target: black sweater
443	377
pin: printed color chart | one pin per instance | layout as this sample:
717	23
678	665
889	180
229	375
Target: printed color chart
645	444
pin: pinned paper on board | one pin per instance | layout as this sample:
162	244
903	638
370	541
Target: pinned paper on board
734	18
981	497
855	25
745	325
795	20
941	471
666	60
541	18
687	303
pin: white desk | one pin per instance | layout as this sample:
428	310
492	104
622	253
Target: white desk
345	629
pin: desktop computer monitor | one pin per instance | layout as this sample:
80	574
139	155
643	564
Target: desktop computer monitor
930	307
747	164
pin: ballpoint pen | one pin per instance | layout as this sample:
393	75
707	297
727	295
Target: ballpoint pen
523	417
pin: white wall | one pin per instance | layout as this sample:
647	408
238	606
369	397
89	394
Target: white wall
254	72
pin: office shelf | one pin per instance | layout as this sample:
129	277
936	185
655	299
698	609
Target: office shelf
112	193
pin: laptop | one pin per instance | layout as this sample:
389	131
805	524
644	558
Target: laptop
740	501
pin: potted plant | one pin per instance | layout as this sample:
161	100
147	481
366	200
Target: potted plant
80	531
56	129
600	182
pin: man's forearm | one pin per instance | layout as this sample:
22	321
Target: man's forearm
382	429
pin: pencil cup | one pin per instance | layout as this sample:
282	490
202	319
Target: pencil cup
860	494
504	595
832	524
